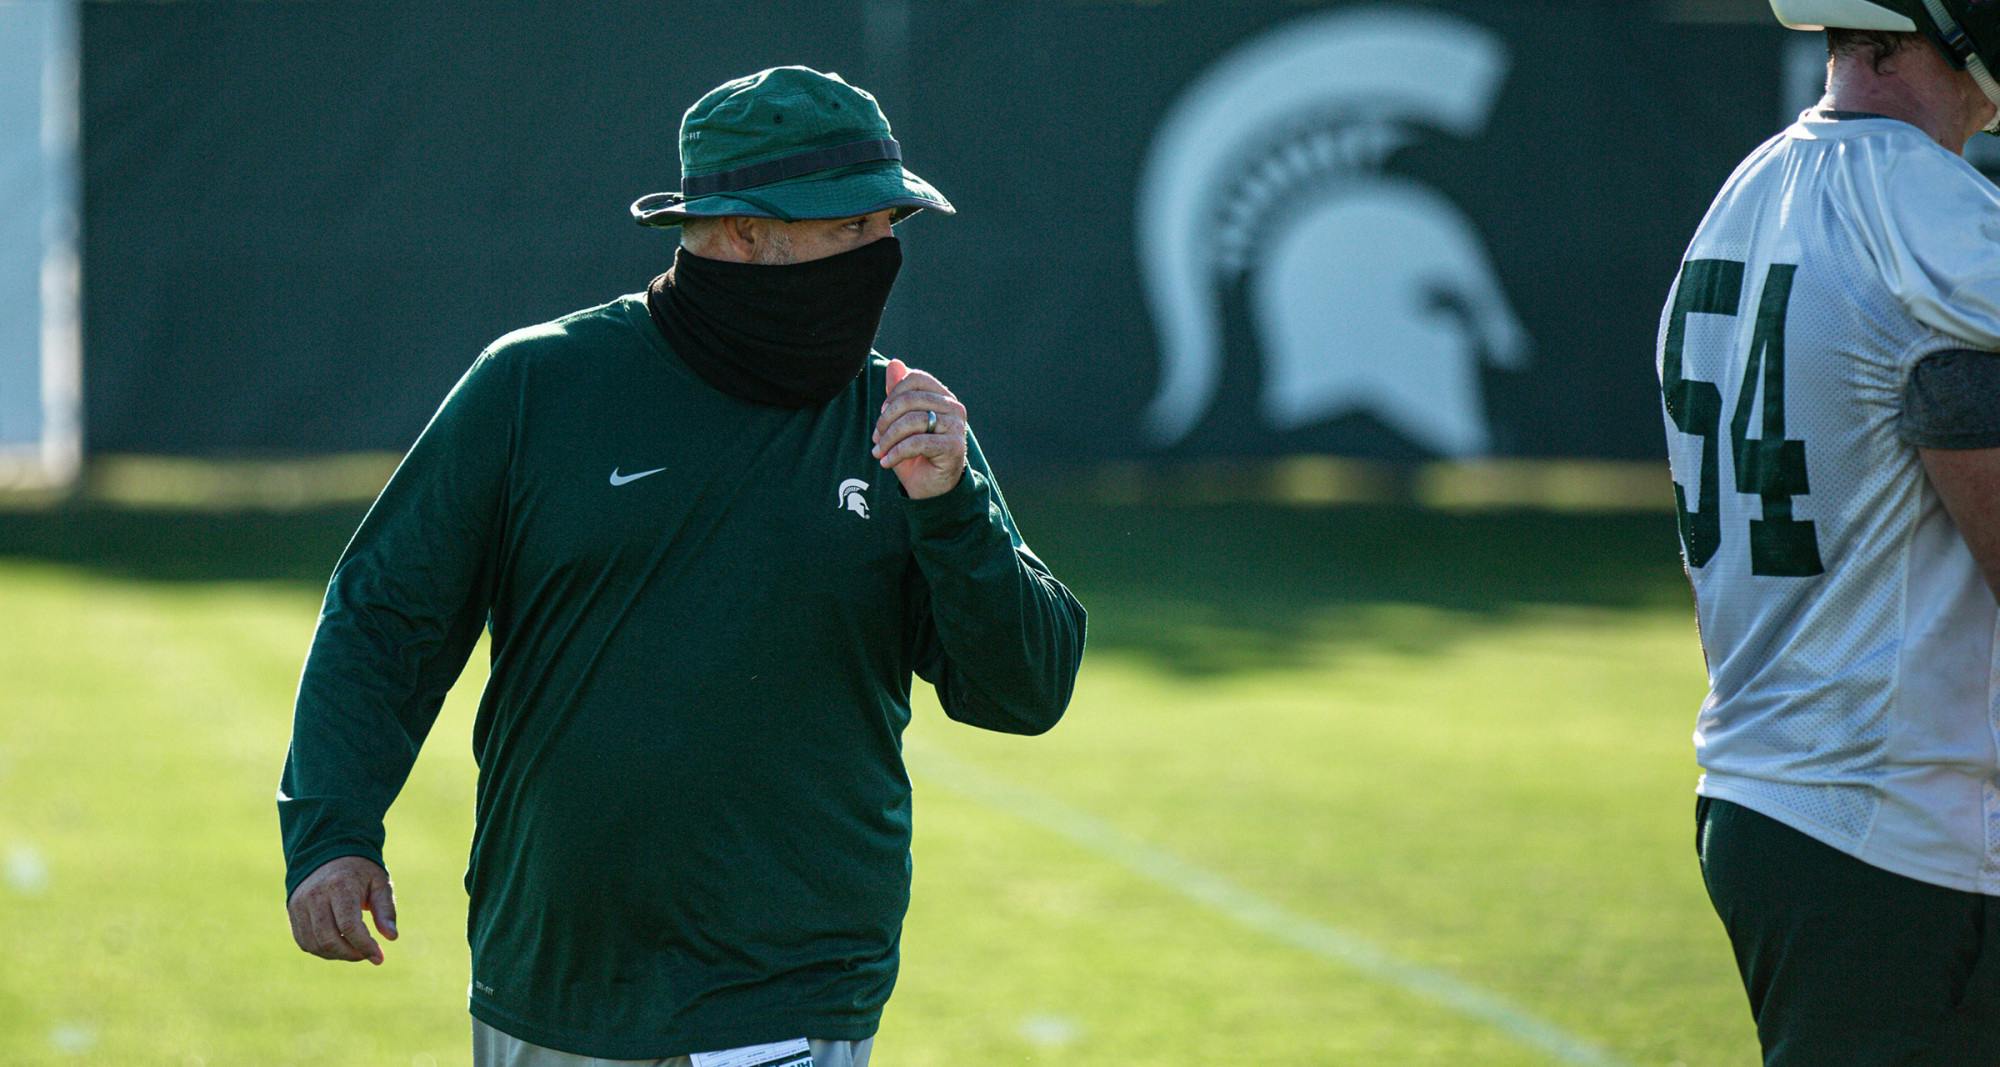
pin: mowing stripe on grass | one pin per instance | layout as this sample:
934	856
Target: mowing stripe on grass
1248	909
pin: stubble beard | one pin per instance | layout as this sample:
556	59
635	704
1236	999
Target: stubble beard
776	251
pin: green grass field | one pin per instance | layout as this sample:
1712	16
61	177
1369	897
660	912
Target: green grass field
1340	786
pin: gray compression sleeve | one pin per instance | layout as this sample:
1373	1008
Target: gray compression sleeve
1952	400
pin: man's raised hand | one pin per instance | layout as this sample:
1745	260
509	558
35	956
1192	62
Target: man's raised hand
928	459
326	910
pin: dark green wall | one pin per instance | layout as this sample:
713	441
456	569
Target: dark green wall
304	219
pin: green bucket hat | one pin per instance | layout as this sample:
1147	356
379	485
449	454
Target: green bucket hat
788	143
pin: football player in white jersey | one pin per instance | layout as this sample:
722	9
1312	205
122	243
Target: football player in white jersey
1831	390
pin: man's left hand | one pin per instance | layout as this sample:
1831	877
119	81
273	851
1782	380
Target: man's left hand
928	460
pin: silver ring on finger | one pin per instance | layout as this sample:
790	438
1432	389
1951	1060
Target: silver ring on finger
930	424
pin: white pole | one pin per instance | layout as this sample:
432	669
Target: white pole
41	359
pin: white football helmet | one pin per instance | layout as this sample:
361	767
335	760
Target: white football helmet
1966	31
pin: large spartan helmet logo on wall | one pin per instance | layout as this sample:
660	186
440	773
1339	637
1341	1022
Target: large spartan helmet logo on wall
1366	291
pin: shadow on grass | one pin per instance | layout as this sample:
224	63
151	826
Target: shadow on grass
184	546
1198	588
1214	589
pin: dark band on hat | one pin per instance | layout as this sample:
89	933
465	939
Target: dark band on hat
793	166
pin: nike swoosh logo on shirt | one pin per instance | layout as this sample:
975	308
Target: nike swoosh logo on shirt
621	479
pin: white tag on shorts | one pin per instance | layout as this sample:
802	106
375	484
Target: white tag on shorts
793	1053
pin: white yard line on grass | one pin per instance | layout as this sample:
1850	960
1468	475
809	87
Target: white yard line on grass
1253	911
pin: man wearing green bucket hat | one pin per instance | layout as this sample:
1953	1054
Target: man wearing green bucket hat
788	143
714	537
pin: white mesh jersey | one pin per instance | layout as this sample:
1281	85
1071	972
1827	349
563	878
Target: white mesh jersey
1849	636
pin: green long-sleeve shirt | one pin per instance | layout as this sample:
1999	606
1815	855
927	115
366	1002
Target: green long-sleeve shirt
693	817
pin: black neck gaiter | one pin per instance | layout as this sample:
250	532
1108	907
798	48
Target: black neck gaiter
791	334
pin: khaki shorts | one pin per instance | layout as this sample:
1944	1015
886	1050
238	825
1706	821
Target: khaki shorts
492	1048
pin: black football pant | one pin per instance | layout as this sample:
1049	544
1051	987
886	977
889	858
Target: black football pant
1845	963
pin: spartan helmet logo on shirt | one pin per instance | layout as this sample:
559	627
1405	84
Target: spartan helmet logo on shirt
1366	291
853	495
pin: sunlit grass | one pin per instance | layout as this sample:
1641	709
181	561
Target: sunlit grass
1493	787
